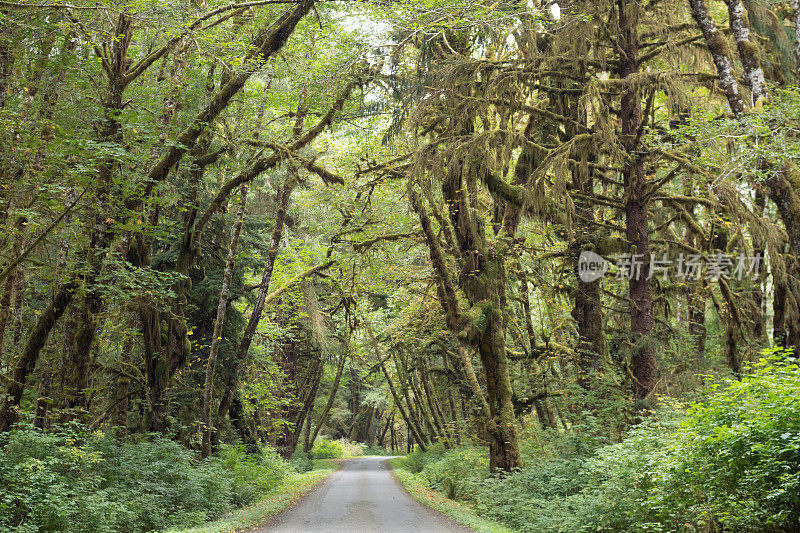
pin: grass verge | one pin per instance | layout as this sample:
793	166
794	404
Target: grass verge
292	488
461	513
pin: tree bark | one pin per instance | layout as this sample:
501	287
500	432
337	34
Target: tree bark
696	304
284	193
454	418
643	360
8	291
412	427
7	58
587	310
222	308
43	396
779	312
759	329
748	51
718	48
327	409
796	17
27	359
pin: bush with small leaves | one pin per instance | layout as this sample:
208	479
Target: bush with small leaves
327	449
73	480
457	472
737	461
301	462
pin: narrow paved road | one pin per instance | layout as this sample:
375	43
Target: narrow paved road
361	497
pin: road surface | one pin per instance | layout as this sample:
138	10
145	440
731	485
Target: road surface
362	497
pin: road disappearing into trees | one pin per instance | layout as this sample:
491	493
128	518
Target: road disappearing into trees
363	496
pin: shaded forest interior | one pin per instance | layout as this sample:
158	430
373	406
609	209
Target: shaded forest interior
496	234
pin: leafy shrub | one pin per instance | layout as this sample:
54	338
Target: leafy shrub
601	490
156	482
71	480
351	449
457	472
336	449
253	474
731	462
49	483
738	460
301	462
414	462
373	449
327	449
417	460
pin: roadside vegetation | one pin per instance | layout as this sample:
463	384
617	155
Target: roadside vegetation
283	496
73	480
728	461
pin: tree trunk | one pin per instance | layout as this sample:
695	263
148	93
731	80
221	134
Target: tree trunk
7	58
748	52
433	403
5	310
643	360
416	416
43	399
484	284
454	418
90	303
222	307
784	190
122	388
81	354
326	411
587	308
545	420
586	312
27	359
696	304
412	428
796	17
302	420
779	312
284	193
759	330
382	435
9	287
240	425
418	405
718	47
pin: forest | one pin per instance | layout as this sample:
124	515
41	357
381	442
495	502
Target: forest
546	251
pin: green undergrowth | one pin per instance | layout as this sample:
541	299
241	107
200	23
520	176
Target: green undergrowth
73	480
463	513
729	461
326	449
292	488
